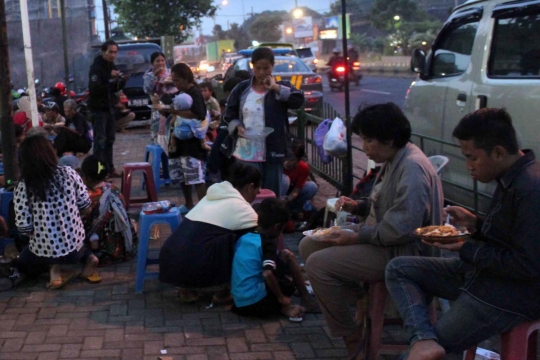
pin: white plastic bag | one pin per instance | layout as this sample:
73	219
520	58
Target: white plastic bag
335	141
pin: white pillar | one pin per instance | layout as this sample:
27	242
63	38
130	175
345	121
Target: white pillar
29	62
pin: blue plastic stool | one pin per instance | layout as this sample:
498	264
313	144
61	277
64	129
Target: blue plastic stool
6	198
155	151
173	218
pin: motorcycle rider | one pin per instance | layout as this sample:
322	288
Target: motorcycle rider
352	54
335	60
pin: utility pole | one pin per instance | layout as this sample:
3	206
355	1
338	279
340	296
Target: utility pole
65	45
11	169
348	172
106	19
29	62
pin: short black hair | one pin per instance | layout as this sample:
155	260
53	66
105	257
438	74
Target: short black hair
487	128
94	169
231	83
106	44
183	71
273	212
262	53
242	74
298	149
241	175
155	55
383	122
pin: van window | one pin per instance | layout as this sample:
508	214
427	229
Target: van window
452	50
515	51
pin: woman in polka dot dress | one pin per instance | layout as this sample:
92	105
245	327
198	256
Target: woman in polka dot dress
49	201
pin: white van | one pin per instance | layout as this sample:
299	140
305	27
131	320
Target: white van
486	55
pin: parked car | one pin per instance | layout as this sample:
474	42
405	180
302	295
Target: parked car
134	60
288	68
486	55
308	58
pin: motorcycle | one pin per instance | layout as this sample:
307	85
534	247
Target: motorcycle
337	75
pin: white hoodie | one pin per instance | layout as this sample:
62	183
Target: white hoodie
225	207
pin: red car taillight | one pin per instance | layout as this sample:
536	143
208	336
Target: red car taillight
356	65
312	80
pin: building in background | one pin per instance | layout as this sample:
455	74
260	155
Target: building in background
47	46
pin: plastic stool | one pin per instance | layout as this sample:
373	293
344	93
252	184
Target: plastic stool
155	151
263	194
378	294
127	175
173	218
6	198
520	343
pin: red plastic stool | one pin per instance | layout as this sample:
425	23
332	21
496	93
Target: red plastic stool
519	343
127	175
263	194
378	295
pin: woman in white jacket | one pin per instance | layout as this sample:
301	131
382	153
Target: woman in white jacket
198	255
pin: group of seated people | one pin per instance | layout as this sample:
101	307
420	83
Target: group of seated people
228	248
224	246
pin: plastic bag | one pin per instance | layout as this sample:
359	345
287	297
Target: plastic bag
335	141
319	135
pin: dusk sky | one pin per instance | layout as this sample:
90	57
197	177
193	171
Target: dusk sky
235	11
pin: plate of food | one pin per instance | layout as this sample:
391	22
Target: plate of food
444	234
321	232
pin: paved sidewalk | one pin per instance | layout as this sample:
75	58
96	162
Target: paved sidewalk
109	321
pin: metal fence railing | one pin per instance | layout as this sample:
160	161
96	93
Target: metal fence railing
338	171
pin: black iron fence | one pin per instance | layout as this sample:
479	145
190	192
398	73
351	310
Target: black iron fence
337	172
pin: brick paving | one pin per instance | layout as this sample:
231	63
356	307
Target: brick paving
109	321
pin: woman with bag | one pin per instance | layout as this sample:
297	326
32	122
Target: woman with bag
407	194
255	105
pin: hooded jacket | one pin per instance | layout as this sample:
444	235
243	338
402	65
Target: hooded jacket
199	253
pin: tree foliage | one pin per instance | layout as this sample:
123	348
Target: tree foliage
219	33
266	27
240	36
383	14
155	18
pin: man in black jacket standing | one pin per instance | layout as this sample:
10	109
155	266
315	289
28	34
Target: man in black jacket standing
105	81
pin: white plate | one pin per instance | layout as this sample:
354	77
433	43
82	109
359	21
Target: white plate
310	232
163	107
292	119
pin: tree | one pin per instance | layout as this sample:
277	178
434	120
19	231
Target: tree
240	36
155	18
266	28
218	33
388	15
362	42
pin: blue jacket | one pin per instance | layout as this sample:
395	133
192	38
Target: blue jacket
506	264
276	107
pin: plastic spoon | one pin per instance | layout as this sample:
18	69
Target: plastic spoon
447	216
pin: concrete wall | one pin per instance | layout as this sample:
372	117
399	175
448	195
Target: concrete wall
48	55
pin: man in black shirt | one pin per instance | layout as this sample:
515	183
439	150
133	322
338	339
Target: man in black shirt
105	81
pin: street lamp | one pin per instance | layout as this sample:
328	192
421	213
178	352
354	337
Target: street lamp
289	30
298	13
397	18
224	2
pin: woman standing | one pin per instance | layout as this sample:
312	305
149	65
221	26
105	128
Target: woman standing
49	201
157	81
258	103
407	194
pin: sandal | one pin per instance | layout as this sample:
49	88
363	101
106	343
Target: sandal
188	296
59	283
93	279
294	313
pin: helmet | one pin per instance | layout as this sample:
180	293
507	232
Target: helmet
60	86
336	51
72	94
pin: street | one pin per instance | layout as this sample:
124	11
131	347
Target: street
372	90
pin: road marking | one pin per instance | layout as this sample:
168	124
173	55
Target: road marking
376	92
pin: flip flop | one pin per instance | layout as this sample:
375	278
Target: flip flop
93	279
59	283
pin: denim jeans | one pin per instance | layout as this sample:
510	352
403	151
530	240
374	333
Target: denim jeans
307	192
413	281
104	136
